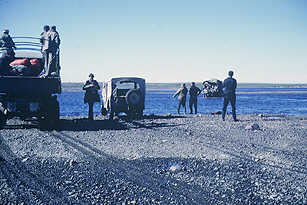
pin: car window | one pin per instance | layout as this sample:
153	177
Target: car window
127	85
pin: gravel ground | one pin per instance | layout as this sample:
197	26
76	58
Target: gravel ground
193	159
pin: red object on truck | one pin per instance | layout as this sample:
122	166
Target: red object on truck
34	62
23	61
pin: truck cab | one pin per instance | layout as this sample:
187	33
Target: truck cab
24	91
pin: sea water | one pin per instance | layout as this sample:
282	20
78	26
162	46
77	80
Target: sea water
289	101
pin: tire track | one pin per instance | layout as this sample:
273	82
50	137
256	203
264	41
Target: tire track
175	189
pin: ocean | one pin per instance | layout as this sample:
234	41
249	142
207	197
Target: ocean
251	99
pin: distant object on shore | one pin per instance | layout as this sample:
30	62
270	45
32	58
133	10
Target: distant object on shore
212	88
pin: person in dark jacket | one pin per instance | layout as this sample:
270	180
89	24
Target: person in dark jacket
7	53
194	92
7	43
91	96
229	91
54	45
182	95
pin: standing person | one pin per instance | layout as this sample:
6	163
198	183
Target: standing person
194	92
54	44
7	53
91	96
182	95
229	90
7	44
45	45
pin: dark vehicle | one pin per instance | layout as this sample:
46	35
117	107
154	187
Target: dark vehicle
212	88
27	94
125	95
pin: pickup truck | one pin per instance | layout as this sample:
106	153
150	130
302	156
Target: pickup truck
30	96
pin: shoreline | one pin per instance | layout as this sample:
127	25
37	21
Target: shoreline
77	86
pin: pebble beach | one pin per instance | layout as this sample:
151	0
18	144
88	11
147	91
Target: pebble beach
159	159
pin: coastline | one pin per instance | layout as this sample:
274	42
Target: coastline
160	159
76	86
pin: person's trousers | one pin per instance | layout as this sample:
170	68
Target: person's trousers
49	62
181	102
90	110
232	99
193	102
4	63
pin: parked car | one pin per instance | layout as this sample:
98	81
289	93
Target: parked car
212	88
123	95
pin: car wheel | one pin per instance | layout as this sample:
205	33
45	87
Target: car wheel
133	97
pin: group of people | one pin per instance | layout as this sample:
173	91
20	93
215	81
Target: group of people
50	40
229	92
50	43
229	86
182	95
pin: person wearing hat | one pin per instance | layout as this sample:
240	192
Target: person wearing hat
91	96
7	43
7	53
194	92
182	95
229	91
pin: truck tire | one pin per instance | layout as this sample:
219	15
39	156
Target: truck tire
50	115
2	120
133	97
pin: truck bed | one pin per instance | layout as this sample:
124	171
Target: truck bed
29	86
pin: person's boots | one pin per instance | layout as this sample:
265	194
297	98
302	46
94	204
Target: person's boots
223	115
234	117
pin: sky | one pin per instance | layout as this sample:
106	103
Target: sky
262	41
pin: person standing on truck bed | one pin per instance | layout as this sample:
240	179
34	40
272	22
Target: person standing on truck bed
54	44
7	53
45	45
91	96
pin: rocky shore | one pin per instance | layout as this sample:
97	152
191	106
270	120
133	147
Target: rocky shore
193	159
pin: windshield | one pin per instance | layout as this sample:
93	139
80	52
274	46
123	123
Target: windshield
127	85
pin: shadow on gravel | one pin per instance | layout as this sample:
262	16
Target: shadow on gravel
140	123
20	126
20	185
100	178
94	125
162	116
83	124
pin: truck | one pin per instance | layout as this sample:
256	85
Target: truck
27	95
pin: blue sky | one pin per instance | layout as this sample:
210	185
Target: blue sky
263	41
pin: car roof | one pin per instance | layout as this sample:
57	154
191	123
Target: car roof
131	79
